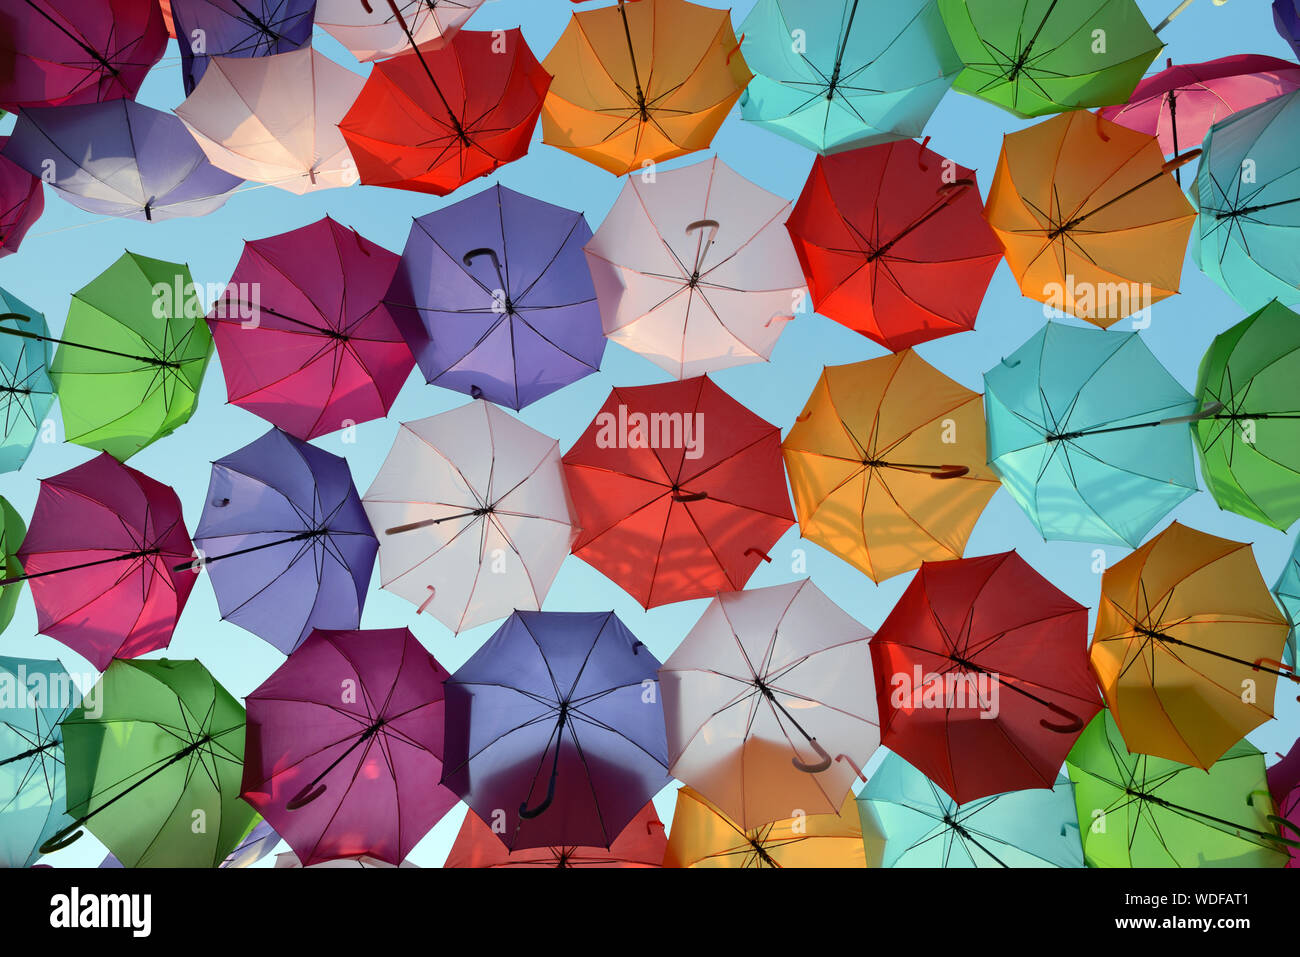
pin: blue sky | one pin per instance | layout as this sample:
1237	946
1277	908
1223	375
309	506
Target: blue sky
68	247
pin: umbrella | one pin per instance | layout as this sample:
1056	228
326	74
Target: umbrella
21	202
1248	446
474	515
119	158
285	540
679	491
1286	17
60	52
1186	646
703	836
311	349
1287	591
1284	787
1077	424
12	531
908	822
26	392
273	119
237	28
370	31
364	862
436	117
341	773
555	732
982	676
153	770
764	706
1092	221
98	556
494	297
859	74
35	696
1043	56
694	271
641	844
1140	811
257	844
887	463
637	85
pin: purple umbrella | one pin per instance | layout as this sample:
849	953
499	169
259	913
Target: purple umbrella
285	540
119	158
1286	17
495	298
208	28
555	729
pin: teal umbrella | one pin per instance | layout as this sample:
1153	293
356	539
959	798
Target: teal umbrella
1087	431
835	75
1287	591
908	821
26	392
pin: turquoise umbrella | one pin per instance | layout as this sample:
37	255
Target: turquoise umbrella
835	75
26	392
1287	591
1083	430
908	821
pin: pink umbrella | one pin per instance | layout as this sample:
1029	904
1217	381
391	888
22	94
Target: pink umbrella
370	31
21	203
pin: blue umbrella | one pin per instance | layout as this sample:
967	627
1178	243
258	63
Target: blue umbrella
26	392
1287	590
241	28
1286	17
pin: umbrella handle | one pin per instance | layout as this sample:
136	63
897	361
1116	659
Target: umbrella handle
1284	822
760	553
469	257
528	813
1181	160
735	48
853	764
689	496
1075	723
18	316
950	472
304	797
820	766
951	191
62	839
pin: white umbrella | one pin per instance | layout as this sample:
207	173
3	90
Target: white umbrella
370	31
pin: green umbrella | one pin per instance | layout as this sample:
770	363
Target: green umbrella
1141	811
12	531
154	769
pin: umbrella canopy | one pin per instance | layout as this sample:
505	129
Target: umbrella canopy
907	821
257	844
982	676
474	516
639	84
893	242
439	116
764	706
98	557
641	844
1284	786
555	730
21	202
888	464
119	158
679	491
285	540
1184	631
494	297
371	31
1086	430
364	862
1286	17
1092	221
311	349
35	696
1287	591
703	836
153	769
1140	811
274	119
345	774
59	52
26	392
237	28
1043	56
693	271
12	531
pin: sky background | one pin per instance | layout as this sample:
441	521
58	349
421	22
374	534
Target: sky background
68	247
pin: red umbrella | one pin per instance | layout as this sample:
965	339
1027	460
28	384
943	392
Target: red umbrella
100	554
21	202
893	242
679	491
641	844
311	349
982	676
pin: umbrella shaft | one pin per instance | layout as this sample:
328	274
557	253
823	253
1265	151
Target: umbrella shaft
1161	802
31	752
1169	639
124	557
839	53
631	55
209	559
151	360
451	114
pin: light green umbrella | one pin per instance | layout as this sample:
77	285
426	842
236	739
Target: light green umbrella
12	531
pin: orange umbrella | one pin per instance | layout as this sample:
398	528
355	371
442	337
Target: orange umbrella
1092	220
1186	646
640	84
641	844
888	464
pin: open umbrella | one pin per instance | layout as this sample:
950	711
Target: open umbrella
26	392
12	531
344	739
494	297
1186	646
694	271
473	515
285	540
982	676
1287	591
21	202
888	464
641	844
1286	18
98	556
679	491
321	351
555	729
371	31
637	84
1284	786
363	862
237	28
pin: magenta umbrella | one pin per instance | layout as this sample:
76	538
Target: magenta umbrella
21	202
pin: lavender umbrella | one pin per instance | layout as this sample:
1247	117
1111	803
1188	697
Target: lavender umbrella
207	28
119	158
1286	17
495	298
285	540
555	729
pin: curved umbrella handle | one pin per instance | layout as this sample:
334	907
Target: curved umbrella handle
760	553
62	839
1180	160
1074	722
1284	822
950	191
820	766
469	257
304	797
712	225
853	764
735	48
689	496
14	315
529	813
950	472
